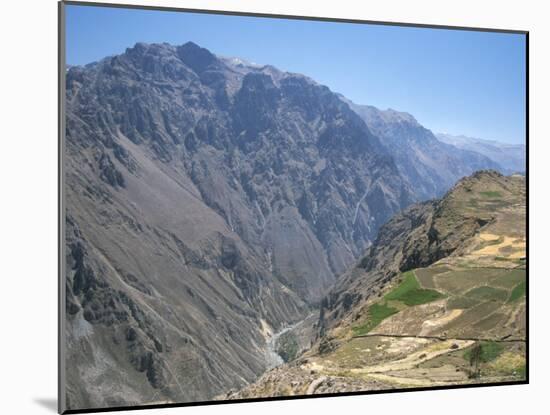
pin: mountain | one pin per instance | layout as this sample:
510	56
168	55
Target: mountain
438	299
429	165
209	204
512	157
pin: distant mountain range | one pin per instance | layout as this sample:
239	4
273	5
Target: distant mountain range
211	203
511	157
429	165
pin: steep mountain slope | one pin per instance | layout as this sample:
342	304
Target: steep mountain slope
430	166
512	157
427	233
438	299
208	205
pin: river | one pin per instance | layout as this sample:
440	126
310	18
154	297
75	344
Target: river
273	358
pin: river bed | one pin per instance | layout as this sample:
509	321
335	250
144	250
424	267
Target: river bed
273	358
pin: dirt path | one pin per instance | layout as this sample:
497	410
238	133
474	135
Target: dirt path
406	336
414	359
401	381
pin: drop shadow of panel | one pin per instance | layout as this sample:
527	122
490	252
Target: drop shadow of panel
48	403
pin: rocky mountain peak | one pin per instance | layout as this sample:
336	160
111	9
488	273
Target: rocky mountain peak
196	57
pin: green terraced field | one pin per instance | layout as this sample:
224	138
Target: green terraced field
459	282
420	296
483	294
509	278
410	293
426	275
490	322
463	325
487	293
462	302
376	313
480	292
518	292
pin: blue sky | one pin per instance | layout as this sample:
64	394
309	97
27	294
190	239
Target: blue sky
459	82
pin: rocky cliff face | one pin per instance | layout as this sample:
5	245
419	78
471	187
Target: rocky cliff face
428	165
209	203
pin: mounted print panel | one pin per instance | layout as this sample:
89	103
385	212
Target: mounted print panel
257	207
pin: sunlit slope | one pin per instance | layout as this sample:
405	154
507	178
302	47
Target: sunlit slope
459	319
